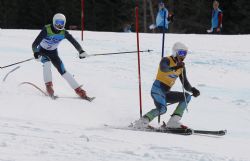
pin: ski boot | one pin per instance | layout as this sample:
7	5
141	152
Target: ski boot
174	123
49	89
175	126
81	93
142	123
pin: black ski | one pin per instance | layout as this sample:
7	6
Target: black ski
179	131
190	131
207	132
158	130
90	99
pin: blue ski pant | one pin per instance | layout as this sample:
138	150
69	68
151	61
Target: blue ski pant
162	96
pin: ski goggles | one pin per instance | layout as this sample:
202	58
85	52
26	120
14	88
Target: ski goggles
59	24
182	53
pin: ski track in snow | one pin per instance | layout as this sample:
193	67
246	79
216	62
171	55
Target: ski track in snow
55	141
36	128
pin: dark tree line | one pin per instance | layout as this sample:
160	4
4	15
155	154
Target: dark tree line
191	16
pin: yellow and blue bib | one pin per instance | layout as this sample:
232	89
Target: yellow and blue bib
169	77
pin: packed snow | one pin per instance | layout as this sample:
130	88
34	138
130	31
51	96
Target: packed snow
36	128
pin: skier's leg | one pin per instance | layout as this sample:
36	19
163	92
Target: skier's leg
47	75
159	97
74	85
57	62
173	97
160	107
71	80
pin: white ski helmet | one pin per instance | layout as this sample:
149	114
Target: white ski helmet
178	46
59	21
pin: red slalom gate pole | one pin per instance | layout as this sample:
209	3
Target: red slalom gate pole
138	51
82	17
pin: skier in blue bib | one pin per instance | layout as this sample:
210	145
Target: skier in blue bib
45	50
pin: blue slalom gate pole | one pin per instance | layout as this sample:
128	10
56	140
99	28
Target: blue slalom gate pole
163	35
163	44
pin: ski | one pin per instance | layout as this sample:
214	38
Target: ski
204	132
207	132
157	130
90	99
35	86
54	97
179	131
4	79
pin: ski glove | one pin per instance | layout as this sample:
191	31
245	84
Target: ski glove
83	54
195	92
37	55
178	66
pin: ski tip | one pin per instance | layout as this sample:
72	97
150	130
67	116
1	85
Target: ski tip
205	132
222	132
53	97
90	99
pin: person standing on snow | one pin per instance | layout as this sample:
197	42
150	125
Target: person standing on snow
170	69
160	18
45	50
216	19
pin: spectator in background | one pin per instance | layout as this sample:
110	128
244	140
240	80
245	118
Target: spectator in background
216	21
160	18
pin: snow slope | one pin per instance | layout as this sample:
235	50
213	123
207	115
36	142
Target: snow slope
36	128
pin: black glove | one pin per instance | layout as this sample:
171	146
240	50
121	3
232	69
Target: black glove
170	18
178	66
195	92
82	54
37	55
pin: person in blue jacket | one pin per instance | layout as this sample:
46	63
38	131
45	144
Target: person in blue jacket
45	50
216	21
160	18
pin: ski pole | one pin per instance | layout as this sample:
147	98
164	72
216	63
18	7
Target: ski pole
17	63
126	52
184	89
